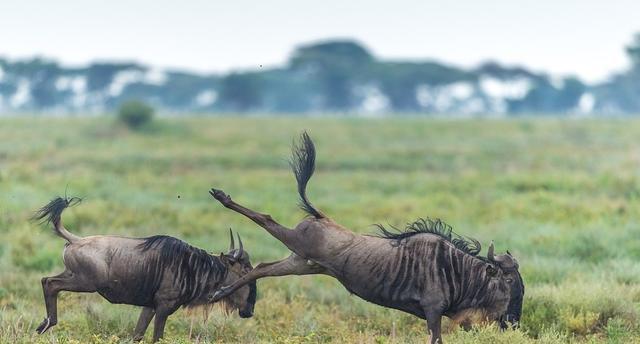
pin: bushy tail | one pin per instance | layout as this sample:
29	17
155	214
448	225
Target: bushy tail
51	212
303	164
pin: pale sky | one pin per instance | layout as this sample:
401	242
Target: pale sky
562	37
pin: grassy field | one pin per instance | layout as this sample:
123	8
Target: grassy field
562	196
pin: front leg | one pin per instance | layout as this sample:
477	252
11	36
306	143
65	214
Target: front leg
292	265
284	234
434	327
143	322
158	326
163	310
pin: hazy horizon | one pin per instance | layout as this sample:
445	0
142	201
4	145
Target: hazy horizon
586	39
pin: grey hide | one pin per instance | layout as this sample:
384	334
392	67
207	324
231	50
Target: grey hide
421	271
158	273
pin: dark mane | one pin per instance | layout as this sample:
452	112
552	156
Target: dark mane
192	267
436	227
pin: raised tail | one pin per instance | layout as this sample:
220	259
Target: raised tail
303	164
51	212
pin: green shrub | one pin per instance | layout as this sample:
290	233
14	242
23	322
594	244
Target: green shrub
135	114
582	322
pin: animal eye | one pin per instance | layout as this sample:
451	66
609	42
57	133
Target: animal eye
509	280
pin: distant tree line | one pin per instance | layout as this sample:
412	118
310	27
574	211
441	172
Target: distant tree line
331	76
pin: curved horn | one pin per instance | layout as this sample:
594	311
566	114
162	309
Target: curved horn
490	252
238	252
233	243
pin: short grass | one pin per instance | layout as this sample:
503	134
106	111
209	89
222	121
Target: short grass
562	196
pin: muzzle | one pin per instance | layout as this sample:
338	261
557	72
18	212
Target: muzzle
245	314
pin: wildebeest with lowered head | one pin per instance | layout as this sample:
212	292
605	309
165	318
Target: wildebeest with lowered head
427	270
159	273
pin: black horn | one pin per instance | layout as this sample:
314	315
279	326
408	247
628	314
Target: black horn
237	254
233	243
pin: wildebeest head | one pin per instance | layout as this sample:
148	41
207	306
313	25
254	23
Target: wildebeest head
510	276
238	264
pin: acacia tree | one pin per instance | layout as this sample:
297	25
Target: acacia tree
337	66
633	50
622	92
241	92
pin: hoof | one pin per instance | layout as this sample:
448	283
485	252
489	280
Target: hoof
44	326
220	196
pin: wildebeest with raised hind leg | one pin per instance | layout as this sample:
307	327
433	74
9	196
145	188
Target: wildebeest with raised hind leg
426	270
159	273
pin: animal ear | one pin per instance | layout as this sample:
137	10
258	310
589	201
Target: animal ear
509	253
228	258
491	271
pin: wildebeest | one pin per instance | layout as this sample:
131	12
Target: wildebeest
159	273
426	270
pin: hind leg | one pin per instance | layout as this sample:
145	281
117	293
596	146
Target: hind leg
292	265
51	286
278	231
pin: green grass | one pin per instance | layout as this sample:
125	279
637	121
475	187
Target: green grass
562	196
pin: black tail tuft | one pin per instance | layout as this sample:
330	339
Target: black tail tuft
50	213
303	164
